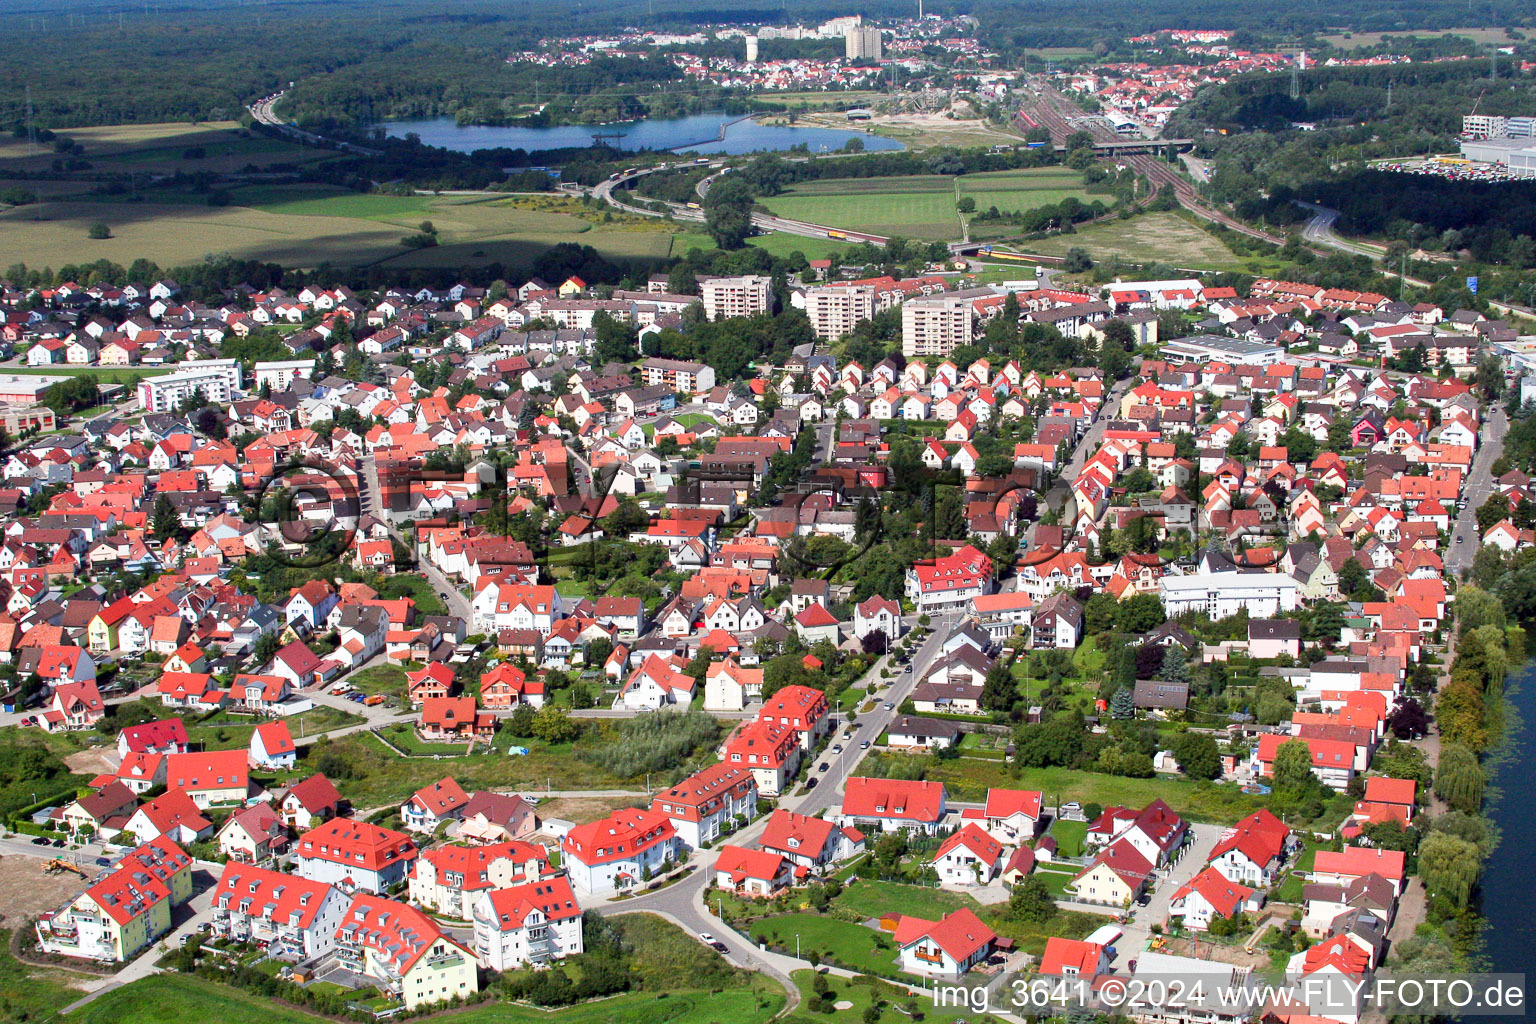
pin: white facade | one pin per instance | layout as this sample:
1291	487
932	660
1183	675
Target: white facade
936	326
835	310
280	373
510	933
726	297
606	876
218	382
1220	594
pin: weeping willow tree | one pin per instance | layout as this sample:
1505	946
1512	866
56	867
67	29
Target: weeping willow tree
1459	778
1450	867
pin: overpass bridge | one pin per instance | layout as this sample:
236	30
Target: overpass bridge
1134	145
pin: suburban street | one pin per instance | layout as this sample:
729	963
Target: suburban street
1479	485
682	902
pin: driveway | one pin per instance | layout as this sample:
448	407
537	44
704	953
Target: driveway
1138	933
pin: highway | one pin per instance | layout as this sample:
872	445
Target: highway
1319	231
263	111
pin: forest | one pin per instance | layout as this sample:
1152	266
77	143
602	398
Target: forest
358	62
1262	163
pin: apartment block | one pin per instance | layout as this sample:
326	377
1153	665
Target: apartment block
936	326
725	297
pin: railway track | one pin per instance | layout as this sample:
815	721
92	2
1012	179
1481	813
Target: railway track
1052	112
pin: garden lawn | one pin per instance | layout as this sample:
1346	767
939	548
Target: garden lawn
861	994
872	899
1057	879
851	945
1296	877
403	735
1069	836
180	999
386	679
969	779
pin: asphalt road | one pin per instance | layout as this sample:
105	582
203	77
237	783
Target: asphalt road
1319	231
1478	486
683	903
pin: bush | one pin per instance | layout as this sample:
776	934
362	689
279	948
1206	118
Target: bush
656	742
99	231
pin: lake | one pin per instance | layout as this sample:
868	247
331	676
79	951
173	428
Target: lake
1509	899
699	133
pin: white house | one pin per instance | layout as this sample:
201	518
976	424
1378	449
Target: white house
620	851
947	947
968	857
532	923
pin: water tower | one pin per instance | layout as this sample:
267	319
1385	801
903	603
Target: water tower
751	49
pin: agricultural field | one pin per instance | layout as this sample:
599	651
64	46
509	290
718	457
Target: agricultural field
777	243
163	149
305	225
917	207
922	206
1356	40
1148	238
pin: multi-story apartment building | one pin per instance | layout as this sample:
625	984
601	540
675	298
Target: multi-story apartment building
835	310
702	805
725	297
678	374
528	924
619	851
450	880
295	917
217	379
404	953
936	326
355	855
124	912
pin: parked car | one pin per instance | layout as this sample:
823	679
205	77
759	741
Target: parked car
837	748
810	783
888	706
864	745
822	767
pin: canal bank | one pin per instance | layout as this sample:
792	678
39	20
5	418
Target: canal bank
1508	897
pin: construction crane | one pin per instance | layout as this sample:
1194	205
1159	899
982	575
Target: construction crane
1479	100
56	865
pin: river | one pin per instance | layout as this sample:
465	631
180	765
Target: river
699	133
1509	898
